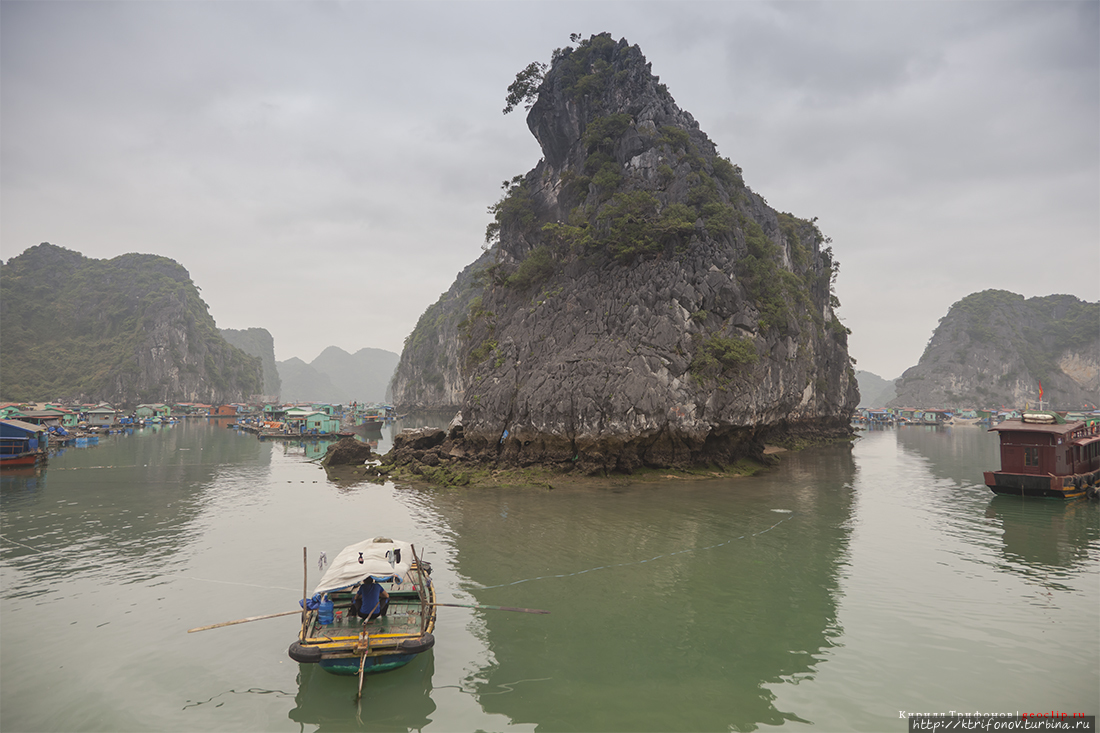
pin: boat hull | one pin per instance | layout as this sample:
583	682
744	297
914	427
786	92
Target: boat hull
348	664
373	665
1059	487
367	427
22	460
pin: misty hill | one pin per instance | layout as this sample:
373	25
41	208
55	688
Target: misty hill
874	391
994	348
258	342
339	377
127	330
638	304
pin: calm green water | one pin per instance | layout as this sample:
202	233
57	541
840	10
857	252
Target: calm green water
848	585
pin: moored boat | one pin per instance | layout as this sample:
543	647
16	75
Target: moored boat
1044	455
965	417
21	443
339	641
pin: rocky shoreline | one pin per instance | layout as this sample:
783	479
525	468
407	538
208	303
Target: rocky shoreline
446	458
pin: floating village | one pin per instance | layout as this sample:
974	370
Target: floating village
1044	453
28	431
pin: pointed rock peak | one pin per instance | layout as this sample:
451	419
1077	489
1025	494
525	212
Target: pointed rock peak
599	81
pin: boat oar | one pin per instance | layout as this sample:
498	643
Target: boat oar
490	608
242	621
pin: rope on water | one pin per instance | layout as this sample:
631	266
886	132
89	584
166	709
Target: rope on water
637	562
33	549
249	691
506	687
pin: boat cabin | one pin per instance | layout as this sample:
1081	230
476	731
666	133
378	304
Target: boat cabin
1044	455
21	443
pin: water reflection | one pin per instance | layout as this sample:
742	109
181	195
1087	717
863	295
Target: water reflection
960	453
400	700
1044	534
112	504
692	597
1036	533
311	450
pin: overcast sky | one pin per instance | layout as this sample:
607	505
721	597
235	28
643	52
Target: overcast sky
323	169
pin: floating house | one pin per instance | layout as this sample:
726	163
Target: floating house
10	411
1042	454
22	443
145	412
299	421
103	416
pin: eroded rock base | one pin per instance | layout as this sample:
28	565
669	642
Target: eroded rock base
452	458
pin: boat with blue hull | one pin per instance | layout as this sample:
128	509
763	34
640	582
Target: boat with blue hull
340	640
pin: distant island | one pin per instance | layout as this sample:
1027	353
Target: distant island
334	377
133	330
874	391
995	348
128	330
339	377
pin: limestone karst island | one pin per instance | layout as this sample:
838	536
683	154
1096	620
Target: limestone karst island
637	305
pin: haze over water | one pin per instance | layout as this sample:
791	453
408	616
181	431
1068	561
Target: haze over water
848	585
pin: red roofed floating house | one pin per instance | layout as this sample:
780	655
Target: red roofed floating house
1044	455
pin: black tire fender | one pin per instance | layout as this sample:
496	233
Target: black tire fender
417	646
305	654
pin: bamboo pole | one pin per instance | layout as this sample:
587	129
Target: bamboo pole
491	608
364	636
422	590
305	594
362	667
240	621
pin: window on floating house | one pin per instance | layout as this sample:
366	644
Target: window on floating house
1031	456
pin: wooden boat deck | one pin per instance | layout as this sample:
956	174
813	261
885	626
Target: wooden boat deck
401	619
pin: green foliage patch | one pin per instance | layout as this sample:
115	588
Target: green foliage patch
536	267
603	132
719	356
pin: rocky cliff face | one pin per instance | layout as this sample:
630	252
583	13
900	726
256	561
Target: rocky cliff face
259	343
639	305
429	375
994	348
127	330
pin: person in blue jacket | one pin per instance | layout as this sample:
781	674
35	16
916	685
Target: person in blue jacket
371	601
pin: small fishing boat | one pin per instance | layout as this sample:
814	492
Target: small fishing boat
335	638
1042	454
965	417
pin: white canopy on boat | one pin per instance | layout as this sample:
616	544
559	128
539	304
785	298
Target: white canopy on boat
381	558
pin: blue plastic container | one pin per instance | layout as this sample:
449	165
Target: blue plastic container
324	612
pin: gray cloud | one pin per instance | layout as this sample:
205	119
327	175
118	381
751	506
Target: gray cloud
354	147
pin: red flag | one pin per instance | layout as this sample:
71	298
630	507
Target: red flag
1040	389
